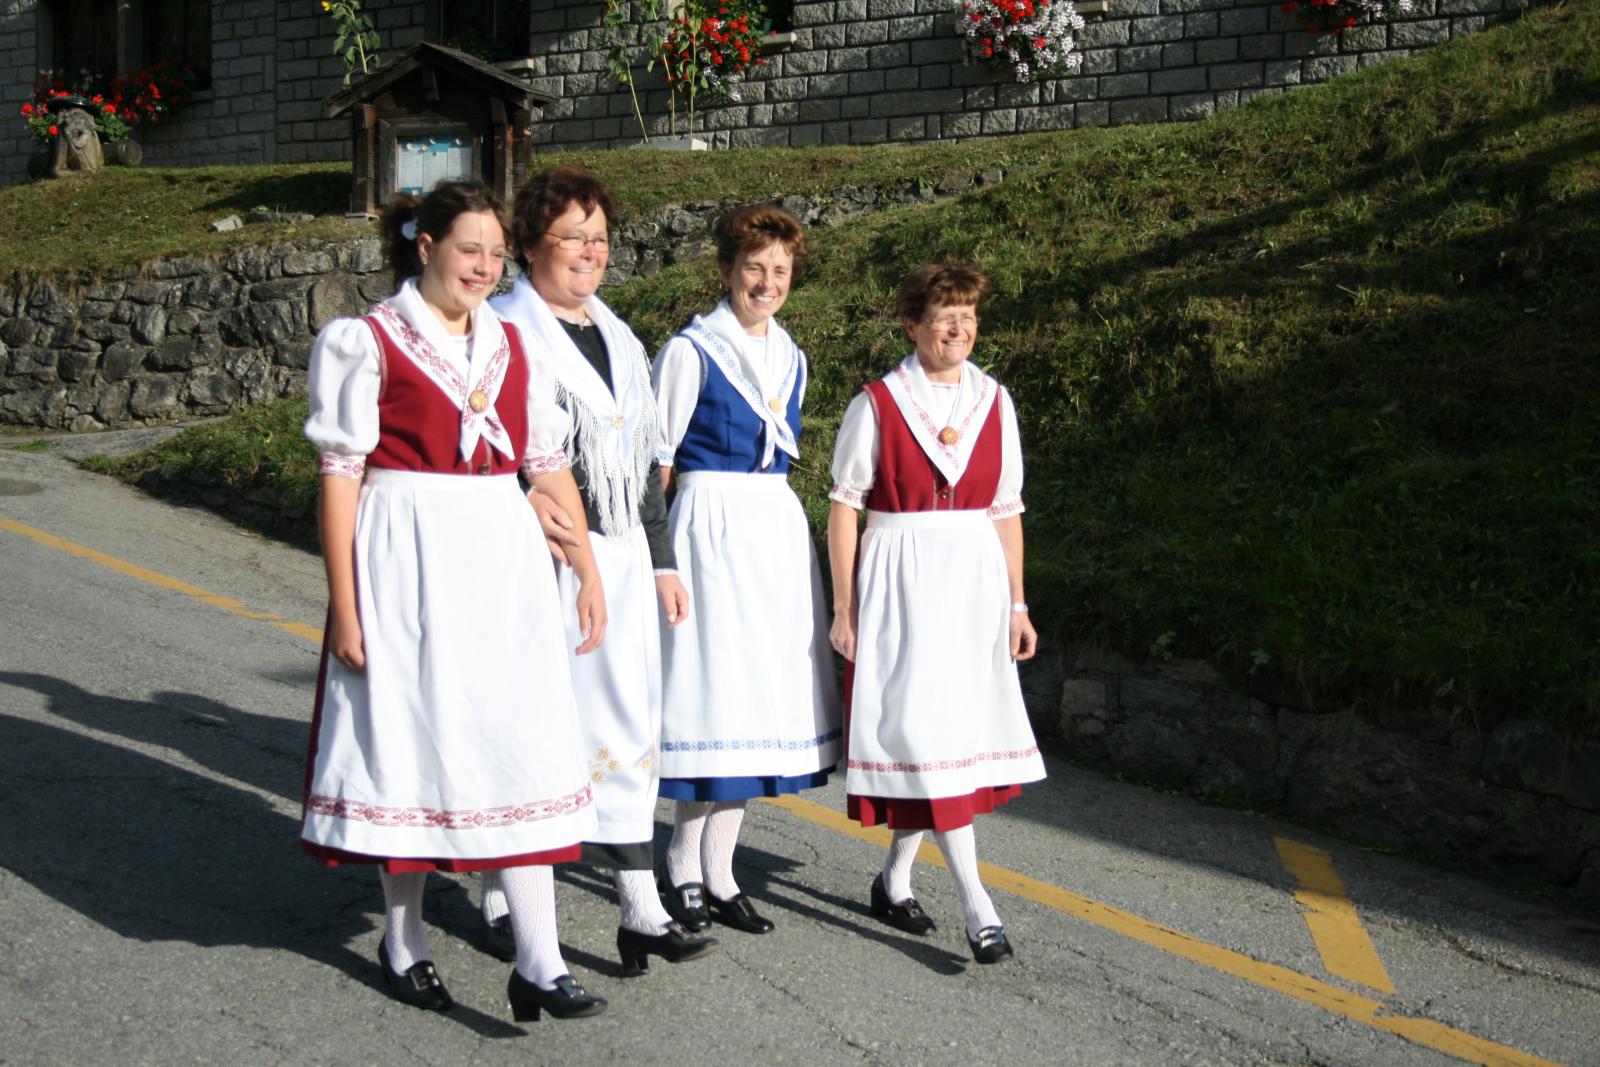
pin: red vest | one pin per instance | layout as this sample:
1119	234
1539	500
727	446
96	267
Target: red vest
419	428
906	480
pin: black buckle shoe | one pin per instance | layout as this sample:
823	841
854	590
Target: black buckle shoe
686	903
738	913
990	946
907	915
498	940
420	986
566	1001
676	945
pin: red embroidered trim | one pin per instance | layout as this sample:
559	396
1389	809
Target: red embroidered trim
342	466
533	466
493	375
412	342
940	765
854	498
927	420
484	818
1000	511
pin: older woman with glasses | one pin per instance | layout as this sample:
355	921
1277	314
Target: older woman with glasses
931	618
561	233
751	707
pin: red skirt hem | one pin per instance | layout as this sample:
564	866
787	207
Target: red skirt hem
938	813
333	857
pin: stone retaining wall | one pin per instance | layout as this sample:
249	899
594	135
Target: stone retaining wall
1516	797
192	336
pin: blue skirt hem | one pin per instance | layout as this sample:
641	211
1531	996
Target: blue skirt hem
717	789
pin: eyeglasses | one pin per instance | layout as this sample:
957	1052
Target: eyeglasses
574	242
944	322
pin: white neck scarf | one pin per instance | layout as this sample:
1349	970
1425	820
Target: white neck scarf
613	423
913	394
473	388
721	337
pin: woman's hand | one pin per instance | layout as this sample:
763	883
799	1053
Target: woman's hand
557	525
674	598
591	614
1024	639
344	640
842	635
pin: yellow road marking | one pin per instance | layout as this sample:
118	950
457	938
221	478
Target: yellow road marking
1309	990
1331	917
1301	987
155	578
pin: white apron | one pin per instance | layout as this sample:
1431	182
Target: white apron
749	686
936	708
460	739
619	688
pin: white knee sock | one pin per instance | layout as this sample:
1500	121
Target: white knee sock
683	854
897	864
402	921
716	850
960	848
492	898
531	898
641	905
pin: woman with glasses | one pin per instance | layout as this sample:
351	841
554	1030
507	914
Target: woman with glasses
561	233
750	707
931	619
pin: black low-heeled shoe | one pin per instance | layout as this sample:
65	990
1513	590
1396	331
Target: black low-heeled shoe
498	940
990	946
906	915
566	1001
686	904
738	913
676	945
420	986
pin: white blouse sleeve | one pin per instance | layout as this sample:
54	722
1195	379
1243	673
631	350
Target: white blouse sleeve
677	377
344	379
549	425
1008	493
855	453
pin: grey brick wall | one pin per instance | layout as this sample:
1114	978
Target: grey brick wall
858	72
19	62
871	71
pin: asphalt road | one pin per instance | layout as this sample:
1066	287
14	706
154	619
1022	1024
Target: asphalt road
156	677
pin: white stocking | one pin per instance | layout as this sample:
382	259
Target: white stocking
641	905
492	897
897	864
683	853
960	848
716	851
531	898
402	921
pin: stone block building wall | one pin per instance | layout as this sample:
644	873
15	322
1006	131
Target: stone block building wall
874	71
19	51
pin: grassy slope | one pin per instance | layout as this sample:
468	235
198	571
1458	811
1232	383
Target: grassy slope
1309	389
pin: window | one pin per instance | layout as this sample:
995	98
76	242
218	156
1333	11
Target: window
179	31
489	29
102	38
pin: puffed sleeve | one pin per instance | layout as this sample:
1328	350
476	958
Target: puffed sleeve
855	453
344	379
549	425
677	377
1008	493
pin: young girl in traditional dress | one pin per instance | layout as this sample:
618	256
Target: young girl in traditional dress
445	735
750	706
562	229
931	618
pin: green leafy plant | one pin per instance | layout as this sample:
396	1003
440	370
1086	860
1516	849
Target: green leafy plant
143	96
357	40
706	50
616	33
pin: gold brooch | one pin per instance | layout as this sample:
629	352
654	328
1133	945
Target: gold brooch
478	401
618	423
949	436
775	404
